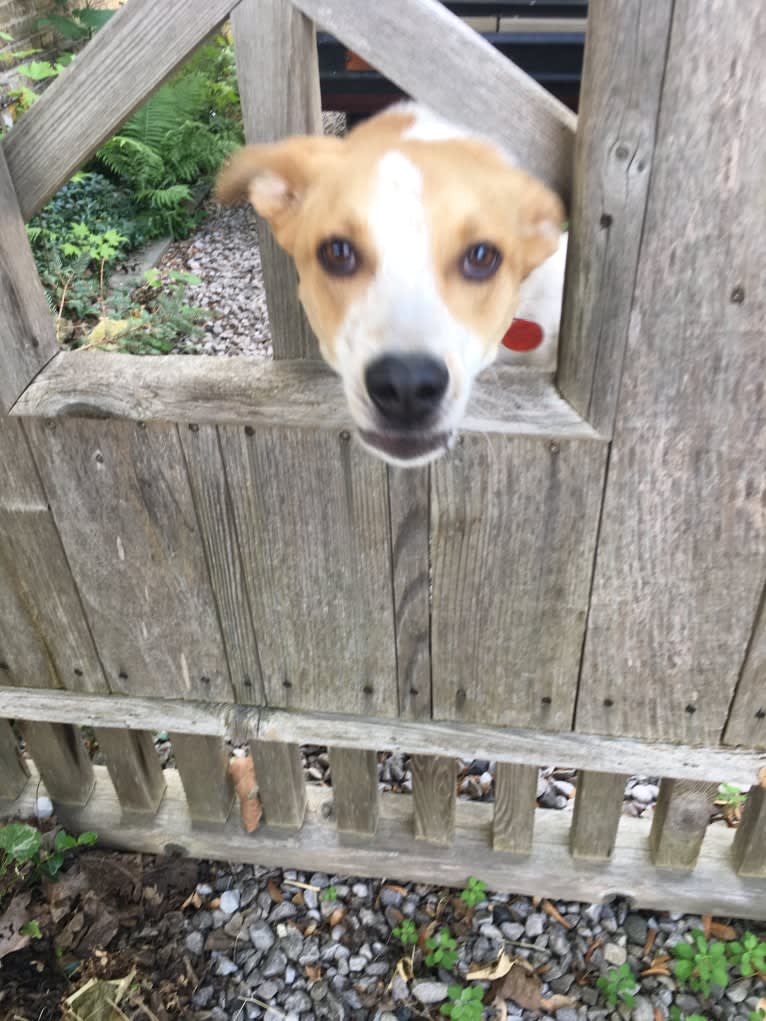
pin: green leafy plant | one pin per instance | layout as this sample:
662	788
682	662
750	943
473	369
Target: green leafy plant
748	955
475	892
152	318
757	1015
406	932
465	1003
676	1015
730	800
23	855
443	950
330	893
618	984
701	964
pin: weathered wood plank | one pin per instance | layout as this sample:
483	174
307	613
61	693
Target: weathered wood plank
681	818
464	78
434	783
682	549
311	512
354	773
749	849
513	821
747	716
203	763
122	503
62	761
513	531
26	324
129	58
549	871
282	789
13	771
243	390
597	814
134	767
215	515
278	74
617	123
408	494
501	744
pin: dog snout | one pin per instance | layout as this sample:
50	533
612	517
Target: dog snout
407	390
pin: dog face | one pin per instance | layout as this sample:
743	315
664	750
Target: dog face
411	241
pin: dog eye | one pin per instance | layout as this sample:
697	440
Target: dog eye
480	261
338	256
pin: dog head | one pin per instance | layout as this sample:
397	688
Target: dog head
411	241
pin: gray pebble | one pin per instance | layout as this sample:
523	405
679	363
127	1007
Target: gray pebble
360	890
636	929
379	968
390	898
311	899
737	992
225	966
645	793
310	953
229	901
292	944
202	997
429	992
282	911
357	962
195	943
535	925
399	988
297	1002
318	991
643	1010
615	954
558	941
567	1014
261	935
275	963
512	930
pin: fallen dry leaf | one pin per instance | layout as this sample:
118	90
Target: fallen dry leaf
493	971
192	901
592	949
337	916
722	932
655	971
404	969
651	936
658	1015
521	985
242	772
557	1002
214	903
707	921
425	932
313	972
555	914
274	892
501	1011
11	921
298	899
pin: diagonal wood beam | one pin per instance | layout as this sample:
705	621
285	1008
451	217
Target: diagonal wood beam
430	54
121	66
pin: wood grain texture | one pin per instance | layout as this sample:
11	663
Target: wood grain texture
622	78
215	515
747	717
463	78
513	822
500	744
749	850
13	771
681	559
597	814
434	790
354	773
408	494
122	503
513	525
278	74
26	324
550	871
281	785
134	768
122	65
244	390
311	511
203	763
681	818
62	761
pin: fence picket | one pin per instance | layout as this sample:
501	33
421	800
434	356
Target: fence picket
354	775
279	775
749	850
134	768
515	801
203	763
434	792
681	818
597	813
61	759
13	771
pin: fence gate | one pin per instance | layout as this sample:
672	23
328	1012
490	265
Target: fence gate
197	545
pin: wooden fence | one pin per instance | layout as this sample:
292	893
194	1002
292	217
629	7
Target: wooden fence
199	546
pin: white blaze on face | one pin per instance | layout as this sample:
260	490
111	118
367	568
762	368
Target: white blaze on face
402	311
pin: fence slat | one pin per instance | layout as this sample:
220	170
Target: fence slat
134	768
278	74
282	789
747	718
749	850
408	493
62	761
513	821
216	521
203	763
26	324
354	773
464	78
597	813
13	771
121	499
513	525
434	780
617	123
681	559
681	817
311	511
122	65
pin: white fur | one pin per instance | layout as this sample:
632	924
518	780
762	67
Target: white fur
402	310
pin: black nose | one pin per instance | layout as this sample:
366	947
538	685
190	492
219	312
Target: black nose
406	389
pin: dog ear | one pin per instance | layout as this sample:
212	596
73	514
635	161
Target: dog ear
541	216
276	178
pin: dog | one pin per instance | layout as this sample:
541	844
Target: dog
416	244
